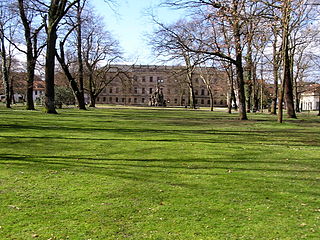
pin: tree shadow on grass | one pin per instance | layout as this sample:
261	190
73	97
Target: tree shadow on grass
147	169
287	138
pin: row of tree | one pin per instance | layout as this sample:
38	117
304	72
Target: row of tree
241	35
66	30
238	36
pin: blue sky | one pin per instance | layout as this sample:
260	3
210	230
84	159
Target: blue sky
130	23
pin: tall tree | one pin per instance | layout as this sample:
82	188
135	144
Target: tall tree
232	13
99	47
173	43
31	34
70	59
56	10
80	19
6	33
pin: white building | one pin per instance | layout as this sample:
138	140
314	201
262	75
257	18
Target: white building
309	100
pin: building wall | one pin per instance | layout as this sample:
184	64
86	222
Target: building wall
142	81
309	101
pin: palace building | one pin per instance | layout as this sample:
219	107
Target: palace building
137	85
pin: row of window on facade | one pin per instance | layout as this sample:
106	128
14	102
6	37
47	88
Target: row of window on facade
143	101
135	90
36	92
151	79
159	79
309	106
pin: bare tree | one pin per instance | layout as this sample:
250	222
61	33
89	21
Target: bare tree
56	10
32	27
173	43
70	59
276	66
7	29
232	13
79	9
99	49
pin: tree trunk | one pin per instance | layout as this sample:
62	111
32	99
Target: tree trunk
233	94
229	102
239	68
91	88
275	71
73	84
288	85
287	78
12	100
30	81
80	97
192	96
275	87
211	98
280	103
249	68
49	69
255	84
92	100
319	103
249	95
31	59
297	97
5	73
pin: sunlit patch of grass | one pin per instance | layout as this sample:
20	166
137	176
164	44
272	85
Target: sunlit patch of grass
139	173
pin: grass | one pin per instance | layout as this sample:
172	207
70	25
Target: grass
158	174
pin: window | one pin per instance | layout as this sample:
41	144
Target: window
129	100
135	100
202	92
151	79
123	99
143	79
117	99
175	101
142	100
143	91
202	101
135	78
110	90
104	99
208	101
196	92
98	99
135	90
150	90
35	92
221	102
196	101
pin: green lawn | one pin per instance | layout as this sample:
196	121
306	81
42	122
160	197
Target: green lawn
158	174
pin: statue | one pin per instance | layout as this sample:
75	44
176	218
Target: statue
157	99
